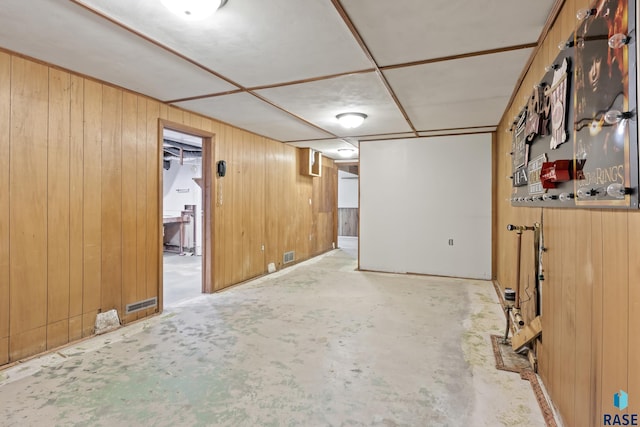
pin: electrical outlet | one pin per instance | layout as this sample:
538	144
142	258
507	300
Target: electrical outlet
450	242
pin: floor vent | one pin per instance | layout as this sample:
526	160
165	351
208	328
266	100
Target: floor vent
288	257
141	305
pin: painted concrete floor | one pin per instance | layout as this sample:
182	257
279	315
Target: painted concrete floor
318	344
349	245
182	278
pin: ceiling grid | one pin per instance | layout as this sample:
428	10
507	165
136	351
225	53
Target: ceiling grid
284	69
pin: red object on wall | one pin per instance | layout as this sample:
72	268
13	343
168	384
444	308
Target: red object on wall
558	171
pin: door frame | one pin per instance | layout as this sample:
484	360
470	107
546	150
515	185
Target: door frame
208	145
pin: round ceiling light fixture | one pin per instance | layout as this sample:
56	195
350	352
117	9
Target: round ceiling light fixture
346	152
193	10
351	120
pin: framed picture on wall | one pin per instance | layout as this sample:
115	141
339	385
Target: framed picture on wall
605	126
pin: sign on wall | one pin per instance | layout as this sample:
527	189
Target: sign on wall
582	117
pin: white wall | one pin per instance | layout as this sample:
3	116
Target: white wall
347	190
180	177
415	195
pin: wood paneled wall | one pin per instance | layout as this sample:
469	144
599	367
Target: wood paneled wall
348	220
80	204
590	295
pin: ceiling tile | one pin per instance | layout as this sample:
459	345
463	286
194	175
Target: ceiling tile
67	35
280	42
320	101
413	30
248	112
254	42
465	92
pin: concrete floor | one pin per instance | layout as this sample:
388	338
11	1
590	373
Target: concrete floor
317	344
182	278
349	245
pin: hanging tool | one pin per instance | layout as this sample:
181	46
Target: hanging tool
519	229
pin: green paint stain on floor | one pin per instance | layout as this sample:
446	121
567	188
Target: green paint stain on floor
316	346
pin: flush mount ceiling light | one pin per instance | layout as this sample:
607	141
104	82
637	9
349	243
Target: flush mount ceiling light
193	10
351	120
346	152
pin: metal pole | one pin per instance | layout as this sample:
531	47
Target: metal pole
518	253
516	309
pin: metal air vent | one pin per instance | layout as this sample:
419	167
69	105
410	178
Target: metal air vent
141	305
288	257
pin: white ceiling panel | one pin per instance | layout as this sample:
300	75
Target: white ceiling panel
465	92
248	112
303	57
66	35
413	30
320	101
252	42
456	115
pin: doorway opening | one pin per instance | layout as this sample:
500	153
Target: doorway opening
348	208
184	214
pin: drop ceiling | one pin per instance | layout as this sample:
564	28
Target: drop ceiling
284	68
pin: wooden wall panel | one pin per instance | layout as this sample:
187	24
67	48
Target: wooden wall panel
233	198
551	319
633	362
224	241
141	202
28	207
584	280
57	334
594	406
58	207
75	328
615	307
27	343
80	192
129	200
254	207
176	115
4	350
326	218
111	214
589	302
567	333
290	227
245	202
274	199
92	208
76	204
289	202
193	120
207	229
152	196
5	223
348	222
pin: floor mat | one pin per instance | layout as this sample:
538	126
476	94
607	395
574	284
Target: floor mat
506	358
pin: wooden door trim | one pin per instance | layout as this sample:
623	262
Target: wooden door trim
208	141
